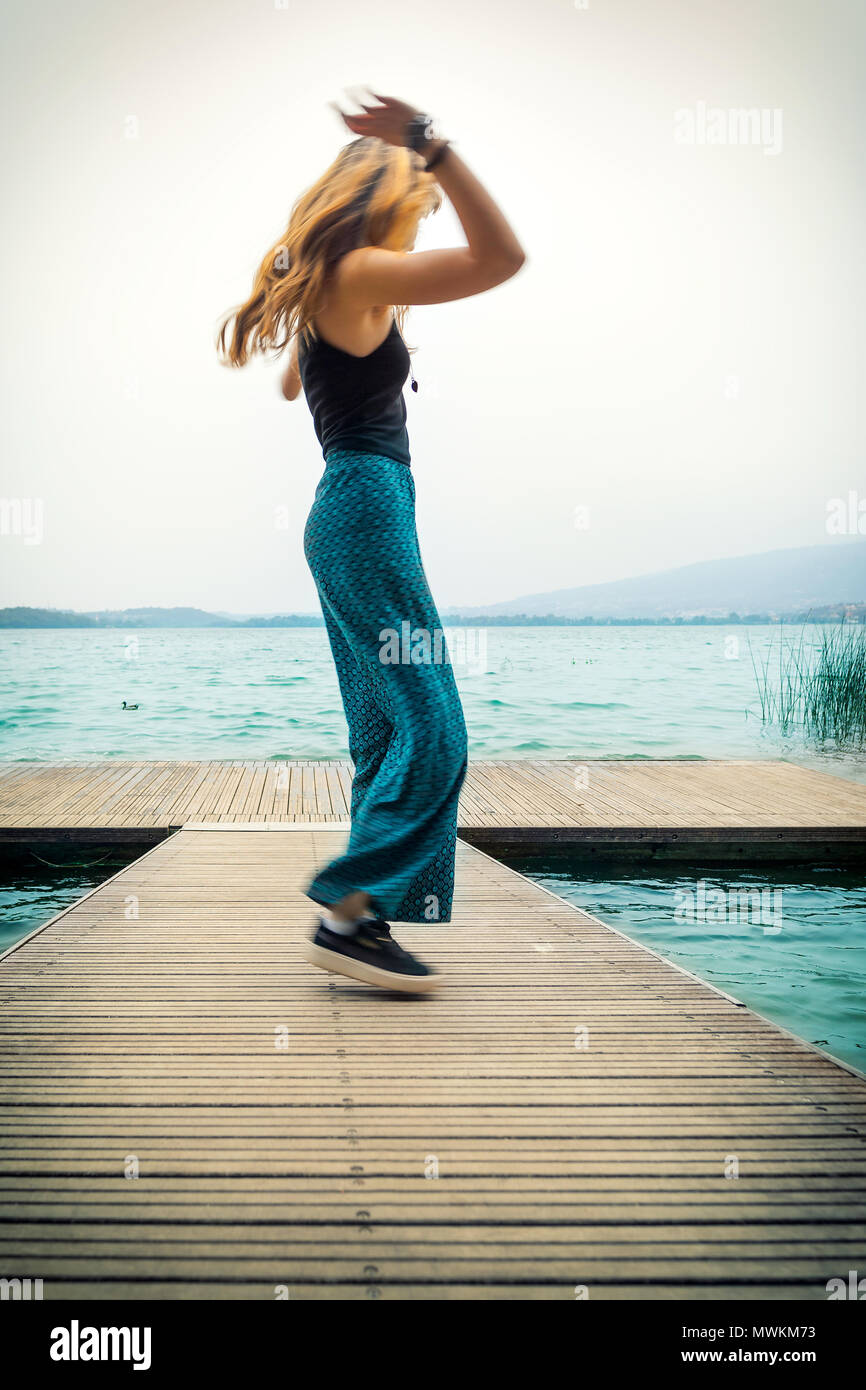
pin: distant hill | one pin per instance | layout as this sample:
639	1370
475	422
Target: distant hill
160	617
145	617
825	582
776	583
43	617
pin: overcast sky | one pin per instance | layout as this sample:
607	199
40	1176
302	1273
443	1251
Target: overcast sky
678	357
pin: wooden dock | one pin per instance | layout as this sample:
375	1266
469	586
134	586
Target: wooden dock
719	808
189	1110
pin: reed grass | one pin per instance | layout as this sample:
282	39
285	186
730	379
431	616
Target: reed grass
817	686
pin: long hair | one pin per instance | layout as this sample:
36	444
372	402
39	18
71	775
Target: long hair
374	194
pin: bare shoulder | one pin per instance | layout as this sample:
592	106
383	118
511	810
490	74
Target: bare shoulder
352	272
343	322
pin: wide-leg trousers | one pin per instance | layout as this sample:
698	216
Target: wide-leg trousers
407	733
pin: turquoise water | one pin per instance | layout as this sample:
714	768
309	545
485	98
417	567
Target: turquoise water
798	957
271	693
39	885
809	976
528	692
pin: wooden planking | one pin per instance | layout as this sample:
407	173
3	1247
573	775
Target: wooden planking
761	800
154	1038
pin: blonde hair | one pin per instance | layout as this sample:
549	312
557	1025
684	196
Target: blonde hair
374	194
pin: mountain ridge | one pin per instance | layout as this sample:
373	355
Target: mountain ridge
773	582
826	582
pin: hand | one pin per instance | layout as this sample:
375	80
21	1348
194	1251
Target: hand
387	121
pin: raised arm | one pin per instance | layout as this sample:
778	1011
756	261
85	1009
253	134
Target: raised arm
492	254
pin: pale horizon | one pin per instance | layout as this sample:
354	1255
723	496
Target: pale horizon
669	570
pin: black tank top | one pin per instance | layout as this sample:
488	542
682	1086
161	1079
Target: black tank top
357	402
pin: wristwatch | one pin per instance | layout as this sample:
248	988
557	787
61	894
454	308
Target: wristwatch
420	132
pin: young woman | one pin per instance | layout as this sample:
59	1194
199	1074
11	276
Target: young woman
338	286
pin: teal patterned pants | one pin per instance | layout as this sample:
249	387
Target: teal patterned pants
407	734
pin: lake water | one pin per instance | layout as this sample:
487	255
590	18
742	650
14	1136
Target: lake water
618	692
38	884
528	692
807	972
797	955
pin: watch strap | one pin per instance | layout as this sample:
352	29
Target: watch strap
420	132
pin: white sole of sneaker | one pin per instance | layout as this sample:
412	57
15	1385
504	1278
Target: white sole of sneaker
368	974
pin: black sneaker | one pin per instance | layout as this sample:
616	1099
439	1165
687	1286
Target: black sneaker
371	955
